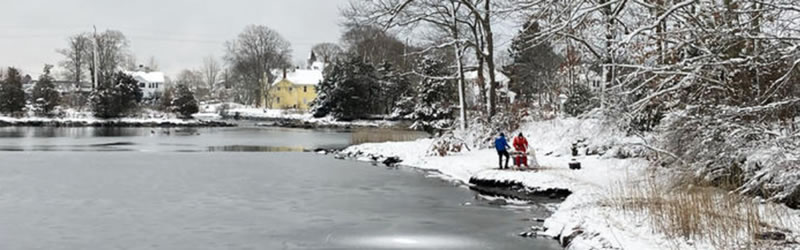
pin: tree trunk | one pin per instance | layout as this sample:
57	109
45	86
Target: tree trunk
608	70
459	61
489	37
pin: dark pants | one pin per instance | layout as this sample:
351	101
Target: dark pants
500	154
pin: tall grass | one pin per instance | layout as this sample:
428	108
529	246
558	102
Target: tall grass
702	214
374	135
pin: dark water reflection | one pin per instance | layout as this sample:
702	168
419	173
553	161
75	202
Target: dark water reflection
51	132
246	148
242	139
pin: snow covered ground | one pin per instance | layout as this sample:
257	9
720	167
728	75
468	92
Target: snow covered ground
588	210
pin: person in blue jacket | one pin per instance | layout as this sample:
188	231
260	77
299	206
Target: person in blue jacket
501	144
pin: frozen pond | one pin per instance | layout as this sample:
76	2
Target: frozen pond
87	188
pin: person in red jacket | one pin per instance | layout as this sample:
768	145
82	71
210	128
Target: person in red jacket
521	146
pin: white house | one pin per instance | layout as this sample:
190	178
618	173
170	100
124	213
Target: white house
473	91
151	83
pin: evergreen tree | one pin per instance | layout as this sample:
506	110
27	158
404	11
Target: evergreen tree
45	96
435	95
580	100
165	101
347	91
533	65
394	87
185	105
12	96
117	97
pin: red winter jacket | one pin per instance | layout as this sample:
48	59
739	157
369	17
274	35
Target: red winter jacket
520	144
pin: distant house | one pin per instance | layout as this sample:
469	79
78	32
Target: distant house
151	83
592	79
295	89
473	91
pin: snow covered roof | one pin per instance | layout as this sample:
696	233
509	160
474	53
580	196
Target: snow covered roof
317	65
142	76
302	77
499	76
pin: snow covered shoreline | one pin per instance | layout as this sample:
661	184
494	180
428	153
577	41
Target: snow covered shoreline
579	222
122	122
287	118
577	213
587	218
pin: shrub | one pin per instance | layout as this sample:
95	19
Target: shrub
116	98
185	105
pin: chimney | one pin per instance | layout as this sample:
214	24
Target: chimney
284	73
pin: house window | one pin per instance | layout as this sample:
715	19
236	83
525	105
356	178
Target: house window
290	89
141	85
279	88
278	99
305	89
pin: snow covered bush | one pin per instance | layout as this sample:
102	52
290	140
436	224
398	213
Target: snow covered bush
185	104
447	144
733	148
117	98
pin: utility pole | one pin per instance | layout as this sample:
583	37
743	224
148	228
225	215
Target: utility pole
94	59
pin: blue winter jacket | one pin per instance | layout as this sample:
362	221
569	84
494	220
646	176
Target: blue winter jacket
501	144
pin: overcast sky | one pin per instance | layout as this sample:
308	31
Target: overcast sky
178	33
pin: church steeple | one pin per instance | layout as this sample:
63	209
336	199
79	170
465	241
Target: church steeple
312	59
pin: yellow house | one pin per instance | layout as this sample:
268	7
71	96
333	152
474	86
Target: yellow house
295	89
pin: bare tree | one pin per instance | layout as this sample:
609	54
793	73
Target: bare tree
327	51
483	20
253	55
191	78
211	70
375	45
77	57
456	18
152	64
112	54
448	20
